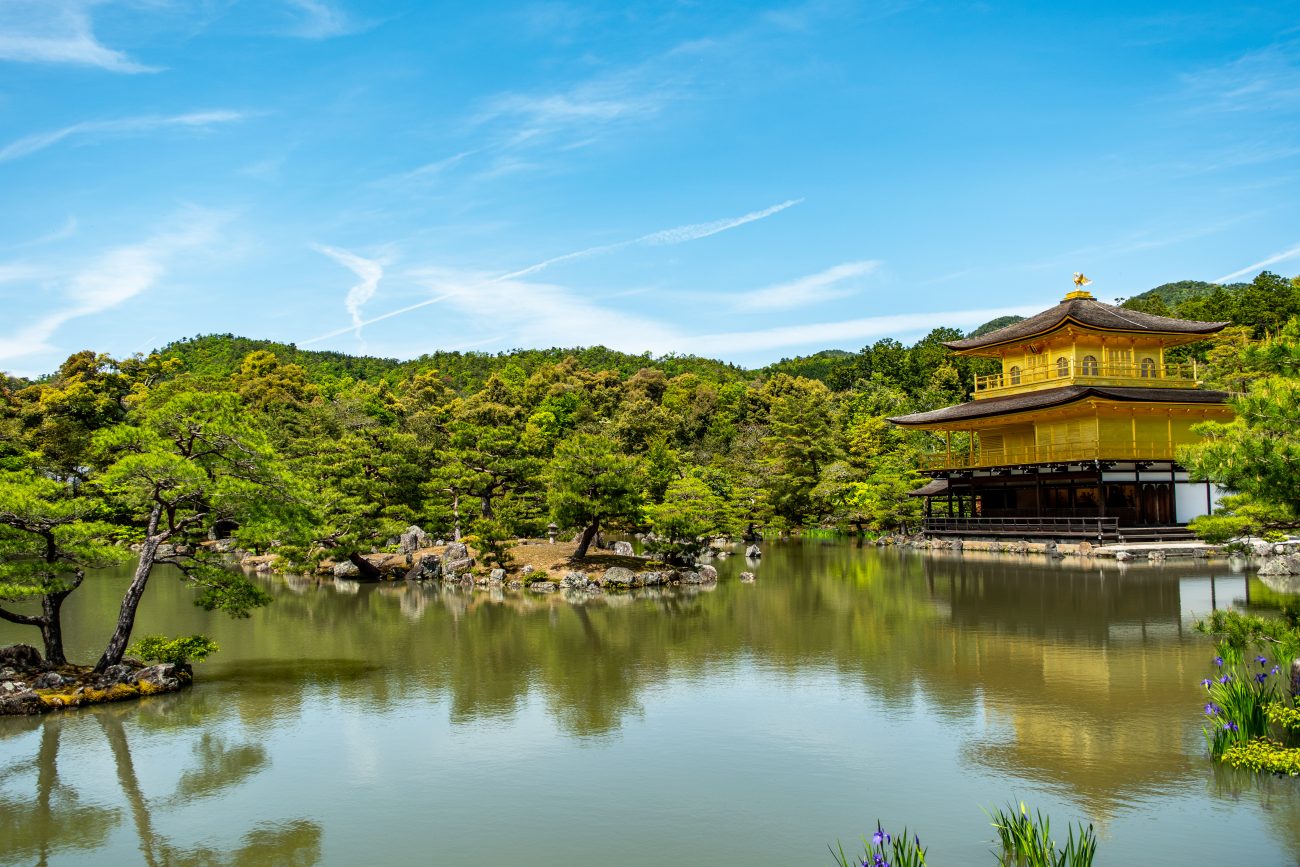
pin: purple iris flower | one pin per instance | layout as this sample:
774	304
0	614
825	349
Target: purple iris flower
1261	677
1212	709
1274	671
1261	660
1218	660
1227	678
1206	683
1231	726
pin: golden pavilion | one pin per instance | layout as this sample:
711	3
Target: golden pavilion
1077	435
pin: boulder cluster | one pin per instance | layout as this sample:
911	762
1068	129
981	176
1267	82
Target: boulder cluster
29	685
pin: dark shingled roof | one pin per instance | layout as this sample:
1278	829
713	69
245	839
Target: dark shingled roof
1058	397
1086	311
930	489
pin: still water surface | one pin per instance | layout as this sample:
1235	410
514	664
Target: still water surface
748	724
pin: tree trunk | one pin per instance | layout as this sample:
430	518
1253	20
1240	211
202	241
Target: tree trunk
455	513
485	506
52	627
585	542
369	571
131	601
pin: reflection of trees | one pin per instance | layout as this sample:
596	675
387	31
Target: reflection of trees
55	820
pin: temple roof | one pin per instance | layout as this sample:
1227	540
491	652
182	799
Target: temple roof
1088	312
1053	397
931	488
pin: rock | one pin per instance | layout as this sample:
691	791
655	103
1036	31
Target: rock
464	564
687	576
497	576
1123	556
119	673
624	549
708	574
753	552
22	703
721	543
722	555
515	585
543	587
958	544
49	680
428	569
575	581
528	569
347	569
163	677
747	577
620	577
1272	565
413	539
597	542
21	657
1083	549
1156	556
649	579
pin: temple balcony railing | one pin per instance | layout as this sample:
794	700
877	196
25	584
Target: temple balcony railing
1051	453
1087	372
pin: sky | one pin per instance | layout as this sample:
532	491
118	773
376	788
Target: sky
743	181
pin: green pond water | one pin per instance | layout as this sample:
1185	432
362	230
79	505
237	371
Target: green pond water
746	724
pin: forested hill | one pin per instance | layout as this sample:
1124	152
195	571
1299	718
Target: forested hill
910	368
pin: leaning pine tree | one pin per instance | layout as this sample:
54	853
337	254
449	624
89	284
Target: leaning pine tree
187	460
49	537
591	483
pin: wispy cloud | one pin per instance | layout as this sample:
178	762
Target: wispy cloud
122	126
318	19
812	289
1253	269
67	230
57	31
1267	79
112	279
846	332
368	271
462	284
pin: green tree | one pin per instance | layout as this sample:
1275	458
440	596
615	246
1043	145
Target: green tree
49	536
691	510
1257	453
186	459
801	441
591	483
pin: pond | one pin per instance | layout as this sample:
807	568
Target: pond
745	724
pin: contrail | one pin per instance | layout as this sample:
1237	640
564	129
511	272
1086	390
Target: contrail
676	235
1260	265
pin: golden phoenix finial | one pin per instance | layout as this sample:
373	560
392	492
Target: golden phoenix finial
1079	280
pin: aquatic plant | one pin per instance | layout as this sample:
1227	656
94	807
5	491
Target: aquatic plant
1026	841
1248	692
1263	755
883	849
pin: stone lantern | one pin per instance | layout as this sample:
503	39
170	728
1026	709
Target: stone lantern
551	530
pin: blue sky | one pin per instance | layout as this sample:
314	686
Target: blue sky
735	180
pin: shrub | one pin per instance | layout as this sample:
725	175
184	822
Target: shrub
177	651
492	542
